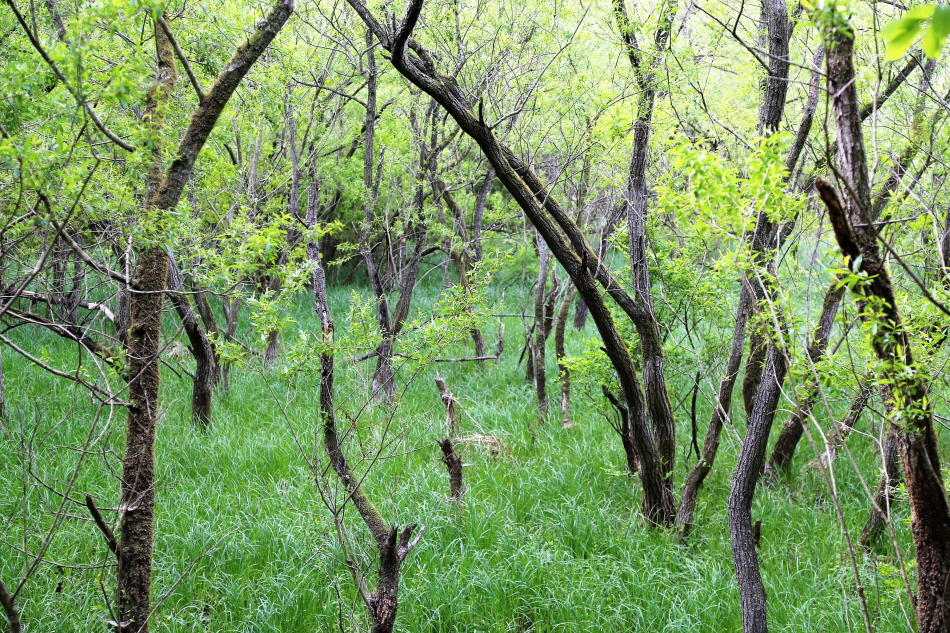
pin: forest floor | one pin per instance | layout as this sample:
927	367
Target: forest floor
548	537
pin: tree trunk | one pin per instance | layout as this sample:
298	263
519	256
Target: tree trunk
791	434
739	508
559	231
383	387
481	198
911	410
10	609
637	198
538	356
231	307
564	374
886	488
699	472
454	465
200	347
3	394
137	503
384	600
765	238
837	436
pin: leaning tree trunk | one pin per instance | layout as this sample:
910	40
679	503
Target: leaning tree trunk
559	231
791	434
911	409
137	503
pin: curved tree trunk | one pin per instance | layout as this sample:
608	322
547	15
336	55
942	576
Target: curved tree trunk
558	230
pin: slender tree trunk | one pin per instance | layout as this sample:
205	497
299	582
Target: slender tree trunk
231	307
699	472
765	237
462	256
481	199
838	435
3	393
137	503
383	602
791	434
383	386
538	357
739	508
564	374
559	231
637	197
886	489
201	350
137	506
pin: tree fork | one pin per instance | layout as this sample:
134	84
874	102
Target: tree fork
137	503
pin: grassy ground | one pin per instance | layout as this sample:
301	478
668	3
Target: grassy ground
548	538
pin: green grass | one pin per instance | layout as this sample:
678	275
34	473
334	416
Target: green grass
548	539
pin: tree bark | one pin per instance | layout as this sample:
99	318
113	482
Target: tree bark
538	356
886	489
454	465
788	439
837	436
10	609
637	198
383	387
739	508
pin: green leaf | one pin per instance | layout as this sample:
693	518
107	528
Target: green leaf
899	41
937	32
920	13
